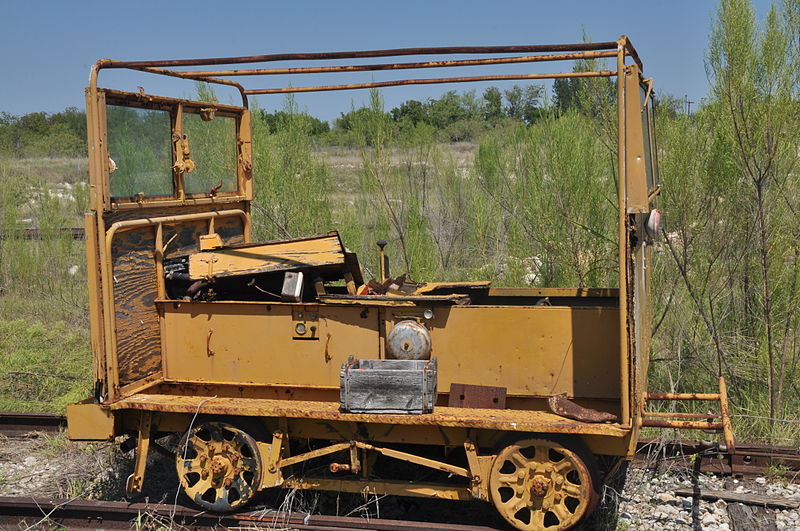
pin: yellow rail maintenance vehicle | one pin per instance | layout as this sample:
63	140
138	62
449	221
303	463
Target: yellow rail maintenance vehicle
266	356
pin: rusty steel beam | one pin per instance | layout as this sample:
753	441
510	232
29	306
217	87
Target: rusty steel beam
682	396
673	415
631	51
207	79
398	66
431	81
313	56
562	406
682	424
727	427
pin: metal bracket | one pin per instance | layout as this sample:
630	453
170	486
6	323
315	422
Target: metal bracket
305	322
479	467
135	480
271	475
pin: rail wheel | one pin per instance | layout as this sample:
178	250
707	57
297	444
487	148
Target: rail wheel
539	484
219	466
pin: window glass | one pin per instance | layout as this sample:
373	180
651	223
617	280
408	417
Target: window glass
139	144
213	150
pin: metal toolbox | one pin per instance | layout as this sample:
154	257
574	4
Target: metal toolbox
388	386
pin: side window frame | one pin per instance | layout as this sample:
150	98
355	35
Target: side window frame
177	108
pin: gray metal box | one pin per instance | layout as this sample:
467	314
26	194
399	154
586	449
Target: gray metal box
388	386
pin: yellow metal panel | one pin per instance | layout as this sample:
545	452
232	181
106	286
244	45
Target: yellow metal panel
494	419
276	256
257	343
544	350
89	422
528	350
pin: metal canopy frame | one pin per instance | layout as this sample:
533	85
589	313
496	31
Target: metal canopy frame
620	49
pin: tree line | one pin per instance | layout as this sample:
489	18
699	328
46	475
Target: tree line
455	116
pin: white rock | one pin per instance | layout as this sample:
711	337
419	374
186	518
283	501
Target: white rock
709	519
664	497
761	481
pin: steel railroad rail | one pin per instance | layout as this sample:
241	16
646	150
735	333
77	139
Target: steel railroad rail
13	423
87	514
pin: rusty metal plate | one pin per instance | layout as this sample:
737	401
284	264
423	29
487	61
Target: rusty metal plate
477	396
561	405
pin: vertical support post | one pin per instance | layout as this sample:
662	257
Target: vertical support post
624	340
177	153
135	480
159	256
383	264
95	302
727	428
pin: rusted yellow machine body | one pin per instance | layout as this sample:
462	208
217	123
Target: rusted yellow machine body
253	382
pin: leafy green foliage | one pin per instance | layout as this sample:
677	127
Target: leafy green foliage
292	189
41	135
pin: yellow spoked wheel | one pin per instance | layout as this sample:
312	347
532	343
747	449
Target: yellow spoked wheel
219	466
538	484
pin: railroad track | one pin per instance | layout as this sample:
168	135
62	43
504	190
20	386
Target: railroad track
21	423
36	234
747	460
87	514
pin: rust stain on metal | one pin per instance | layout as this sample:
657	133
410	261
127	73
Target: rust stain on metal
432	81
682	424
360	54
476	396
682	396
561	405
400	66
505	419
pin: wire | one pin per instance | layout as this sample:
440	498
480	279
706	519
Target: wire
185	450
789	421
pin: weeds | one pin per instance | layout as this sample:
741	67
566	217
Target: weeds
53	445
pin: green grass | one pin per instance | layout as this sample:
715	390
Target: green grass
43	367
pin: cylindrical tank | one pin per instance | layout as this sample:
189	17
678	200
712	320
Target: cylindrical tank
408	340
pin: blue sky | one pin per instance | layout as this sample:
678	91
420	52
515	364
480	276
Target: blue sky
48	46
